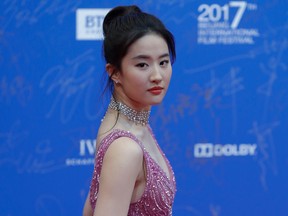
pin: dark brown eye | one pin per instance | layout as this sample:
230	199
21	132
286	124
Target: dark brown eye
141	65
164	63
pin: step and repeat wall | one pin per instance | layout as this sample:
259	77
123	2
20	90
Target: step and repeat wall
223	124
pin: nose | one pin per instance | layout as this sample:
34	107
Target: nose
156	74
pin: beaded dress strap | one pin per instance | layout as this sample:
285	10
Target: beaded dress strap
115	134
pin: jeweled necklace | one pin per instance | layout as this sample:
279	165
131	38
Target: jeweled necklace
139	117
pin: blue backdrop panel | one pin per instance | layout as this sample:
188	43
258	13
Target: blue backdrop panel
223	123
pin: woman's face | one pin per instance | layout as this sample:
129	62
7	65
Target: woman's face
145	72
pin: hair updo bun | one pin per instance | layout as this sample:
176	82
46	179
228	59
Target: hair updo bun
116	13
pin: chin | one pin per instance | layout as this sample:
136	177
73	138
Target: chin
156	102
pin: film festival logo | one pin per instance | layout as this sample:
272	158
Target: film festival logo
89	23
222	24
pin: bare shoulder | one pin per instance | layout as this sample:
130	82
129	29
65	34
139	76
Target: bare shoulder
125	149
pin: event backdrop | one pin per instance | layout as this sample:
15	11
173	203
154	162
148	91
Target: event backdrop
223	123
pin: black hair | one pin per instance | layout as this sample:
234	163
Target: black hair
122	26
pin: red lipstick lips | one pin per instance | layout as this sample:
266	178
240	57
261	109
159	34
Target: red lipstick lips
156	90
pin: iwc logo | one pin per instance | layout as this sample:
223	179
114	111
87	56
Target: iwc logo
86	156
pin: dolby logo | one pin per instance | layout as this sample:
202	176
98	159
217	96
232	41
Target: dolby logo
208	150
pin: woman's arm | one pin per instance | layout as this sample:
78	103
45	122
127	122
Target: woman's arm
87	210
121	165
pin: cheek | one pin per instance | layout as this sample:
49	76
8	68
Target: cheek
168	75
133	79
136	79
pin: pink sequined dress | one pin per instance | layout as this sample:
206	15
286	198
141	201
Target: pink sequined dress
160	189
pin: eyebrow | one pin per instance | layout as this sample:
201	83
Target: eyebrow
148	57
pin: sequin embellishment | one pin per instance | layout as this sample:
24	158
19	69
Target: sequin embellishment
160	189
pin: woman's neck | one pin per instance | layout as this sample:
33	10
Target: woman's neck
138	117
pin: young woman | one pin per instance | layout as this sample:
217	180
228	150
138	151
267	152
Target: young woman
132	176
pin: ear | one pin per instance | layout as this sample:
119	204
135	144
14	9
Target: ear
113	72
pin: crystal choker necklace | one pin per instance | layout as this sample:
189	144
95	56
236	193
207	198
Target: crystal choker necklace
139	117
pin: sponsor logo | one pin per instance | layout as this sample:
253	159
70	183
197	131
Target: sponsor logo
208	150
87	146
221	24
89	23
86	155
